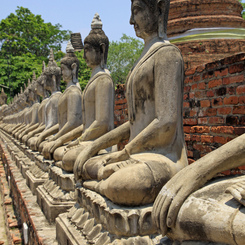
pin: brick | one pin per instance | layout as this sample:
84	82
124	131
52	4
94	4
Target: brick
194	87
200	129
223	130
202	148
196	138
241	99
217	102
220	140
202	85
190	153
224	111
189	79
186	97
193	113
234	79
187	137
210	93
211	112
227	172
214	83
239	130
233	100
205	103
221	72
200	94
196	78
187	129
240	89
190	161
190	71
242	167
231	90
186	105
239	110
191	95
121	101
216	120
236	68
203	120
187	89
207	139
190	121
200	68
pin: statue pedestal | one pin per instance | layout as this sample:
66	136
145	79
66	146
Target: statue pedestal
38	173
57	194
96	220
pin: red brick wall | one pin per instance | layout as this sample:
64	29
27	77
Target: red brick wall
214	105
205	51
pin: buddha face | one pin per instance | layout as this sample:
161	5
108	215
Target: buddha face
91	56
48	83
143	19
66	72
39	88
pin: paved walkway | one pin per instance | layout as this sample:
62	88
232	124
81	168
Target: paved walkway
3	236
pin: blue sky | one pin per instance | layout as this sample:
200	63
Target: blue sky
76	15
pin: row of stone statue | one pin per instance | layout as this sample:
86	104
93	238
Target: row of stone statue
76	130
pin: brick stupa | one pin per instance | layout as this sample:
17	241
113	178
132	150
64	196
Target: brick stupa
206	30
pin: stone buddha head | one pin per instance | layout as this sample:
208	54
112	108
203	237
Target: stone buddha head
149	17
70	65
96	45
52	74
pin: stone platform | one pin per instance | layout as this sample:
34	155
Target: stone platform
57	194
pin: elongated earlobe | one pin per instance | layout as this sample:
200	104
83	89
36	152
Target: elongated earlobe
74	72
163	8
102	63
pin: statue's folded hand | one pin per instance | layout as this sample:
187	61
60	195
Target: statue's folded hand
173	194
115	157
72	144
84	155
57	143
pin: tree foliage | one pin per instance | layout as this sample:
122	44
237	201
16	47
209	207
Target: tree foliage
243	11
122	56
25	41
25	32
16	71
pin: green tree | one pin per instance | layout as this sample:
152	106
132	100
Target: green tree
25	32
121	57
25	41
243	11
15	71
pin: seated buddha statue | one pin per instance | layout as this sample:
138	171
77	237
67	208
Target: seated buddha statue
41	91
192	207
98	97
52	76
69	105
31	116
156	148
